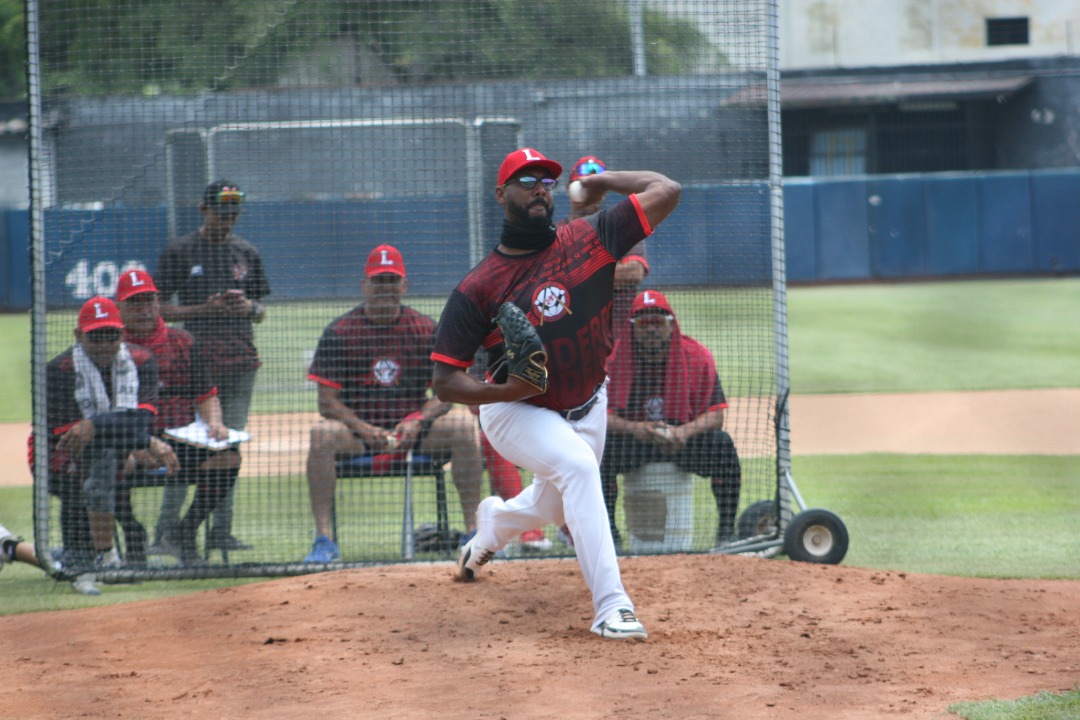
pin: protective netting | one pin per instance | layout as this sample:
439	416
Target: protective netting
337	126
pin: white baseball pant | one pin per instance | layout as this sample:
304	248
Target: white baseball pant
564	458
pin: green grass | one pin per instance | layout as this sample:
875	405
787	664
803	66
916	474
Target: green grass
974	335
15	355
1044	706
25	588
975	516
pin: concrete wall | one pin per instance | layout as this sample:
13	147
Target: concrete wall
869	33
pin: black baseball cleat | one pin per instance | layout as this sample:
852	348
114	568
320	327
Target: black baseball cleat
473	557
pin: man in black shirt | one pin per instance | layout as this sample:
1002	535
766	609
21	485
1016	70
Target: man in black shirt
213	281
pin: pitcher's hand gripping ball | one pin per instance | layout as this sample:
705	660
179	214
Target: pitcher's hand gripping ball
523	350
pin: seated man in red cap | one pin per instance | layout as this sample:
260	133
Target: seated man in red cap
373	369
102	397
667	405
185	389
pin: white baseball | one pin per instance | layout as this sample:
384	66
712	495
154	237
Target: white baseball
576	191
391	441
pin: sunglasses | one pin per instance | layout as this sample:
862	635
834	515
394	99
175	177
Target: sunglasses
653	320
589	168
104	335
230	196
529	183
386	279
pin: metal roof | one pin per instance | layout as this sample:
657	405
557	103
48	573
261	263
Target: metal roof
846	91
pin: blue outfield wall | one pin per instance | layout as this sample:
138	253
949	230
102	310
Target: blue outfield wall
938	225
868	228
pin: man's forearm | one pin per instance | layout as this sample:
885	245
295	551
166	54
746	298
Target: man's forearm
337	410
705	422
178	313
452	385
434	409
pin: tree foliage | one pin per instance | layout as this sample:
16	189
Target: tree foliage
12	50
94	47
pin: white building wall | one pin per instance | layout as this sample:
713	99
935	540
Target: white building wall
868	33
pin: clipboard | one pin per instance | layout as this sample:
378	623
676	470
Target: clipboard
198	435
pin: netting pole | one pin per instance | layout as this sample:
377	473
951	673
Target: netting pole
779	272
37	274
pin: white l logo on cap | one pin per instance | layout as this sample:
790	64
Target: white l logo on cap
530	157
648	299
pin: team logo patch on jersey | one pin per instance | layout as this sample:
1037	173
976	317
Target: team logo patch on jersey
386	371
552	301
654	408
239	271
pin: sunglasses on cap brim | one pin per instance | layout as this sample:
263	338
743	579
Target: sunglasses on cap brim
228	196
589	168
652	319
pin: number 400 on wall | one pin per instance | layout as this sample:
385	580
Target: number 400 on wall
86	282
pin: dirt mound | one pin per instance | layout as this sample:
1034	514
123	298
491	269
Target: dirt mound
729	637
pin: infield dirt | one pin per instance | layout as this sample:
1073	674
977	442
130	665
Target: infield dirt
730	637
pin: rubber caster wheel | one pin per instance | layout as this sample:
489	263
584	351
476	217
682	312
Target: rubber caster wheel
816	536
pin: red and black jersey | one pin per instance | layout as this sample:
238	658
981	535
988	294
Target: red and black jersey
62	409
566	290
649	391
677	391
383	371
193	268
183	375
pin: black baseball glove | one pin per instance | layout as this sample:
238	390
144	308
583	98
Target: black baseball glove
523	350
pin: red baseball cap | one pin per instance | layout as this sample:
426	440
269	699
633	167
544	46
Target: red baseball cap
518	160
588	165
99	312
651	300
385	259
134	282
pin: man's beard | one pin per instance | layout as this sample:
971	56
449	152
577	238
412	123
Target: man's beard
653	353
522	215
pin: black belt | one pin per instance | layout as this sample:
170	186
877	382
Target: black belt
581	411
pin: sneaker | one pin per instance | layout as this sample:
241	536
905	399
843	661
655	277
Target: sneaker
621	624
535	541
229	543
323	551
473	557
157	549
85	584
181	546
6	536
108	560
